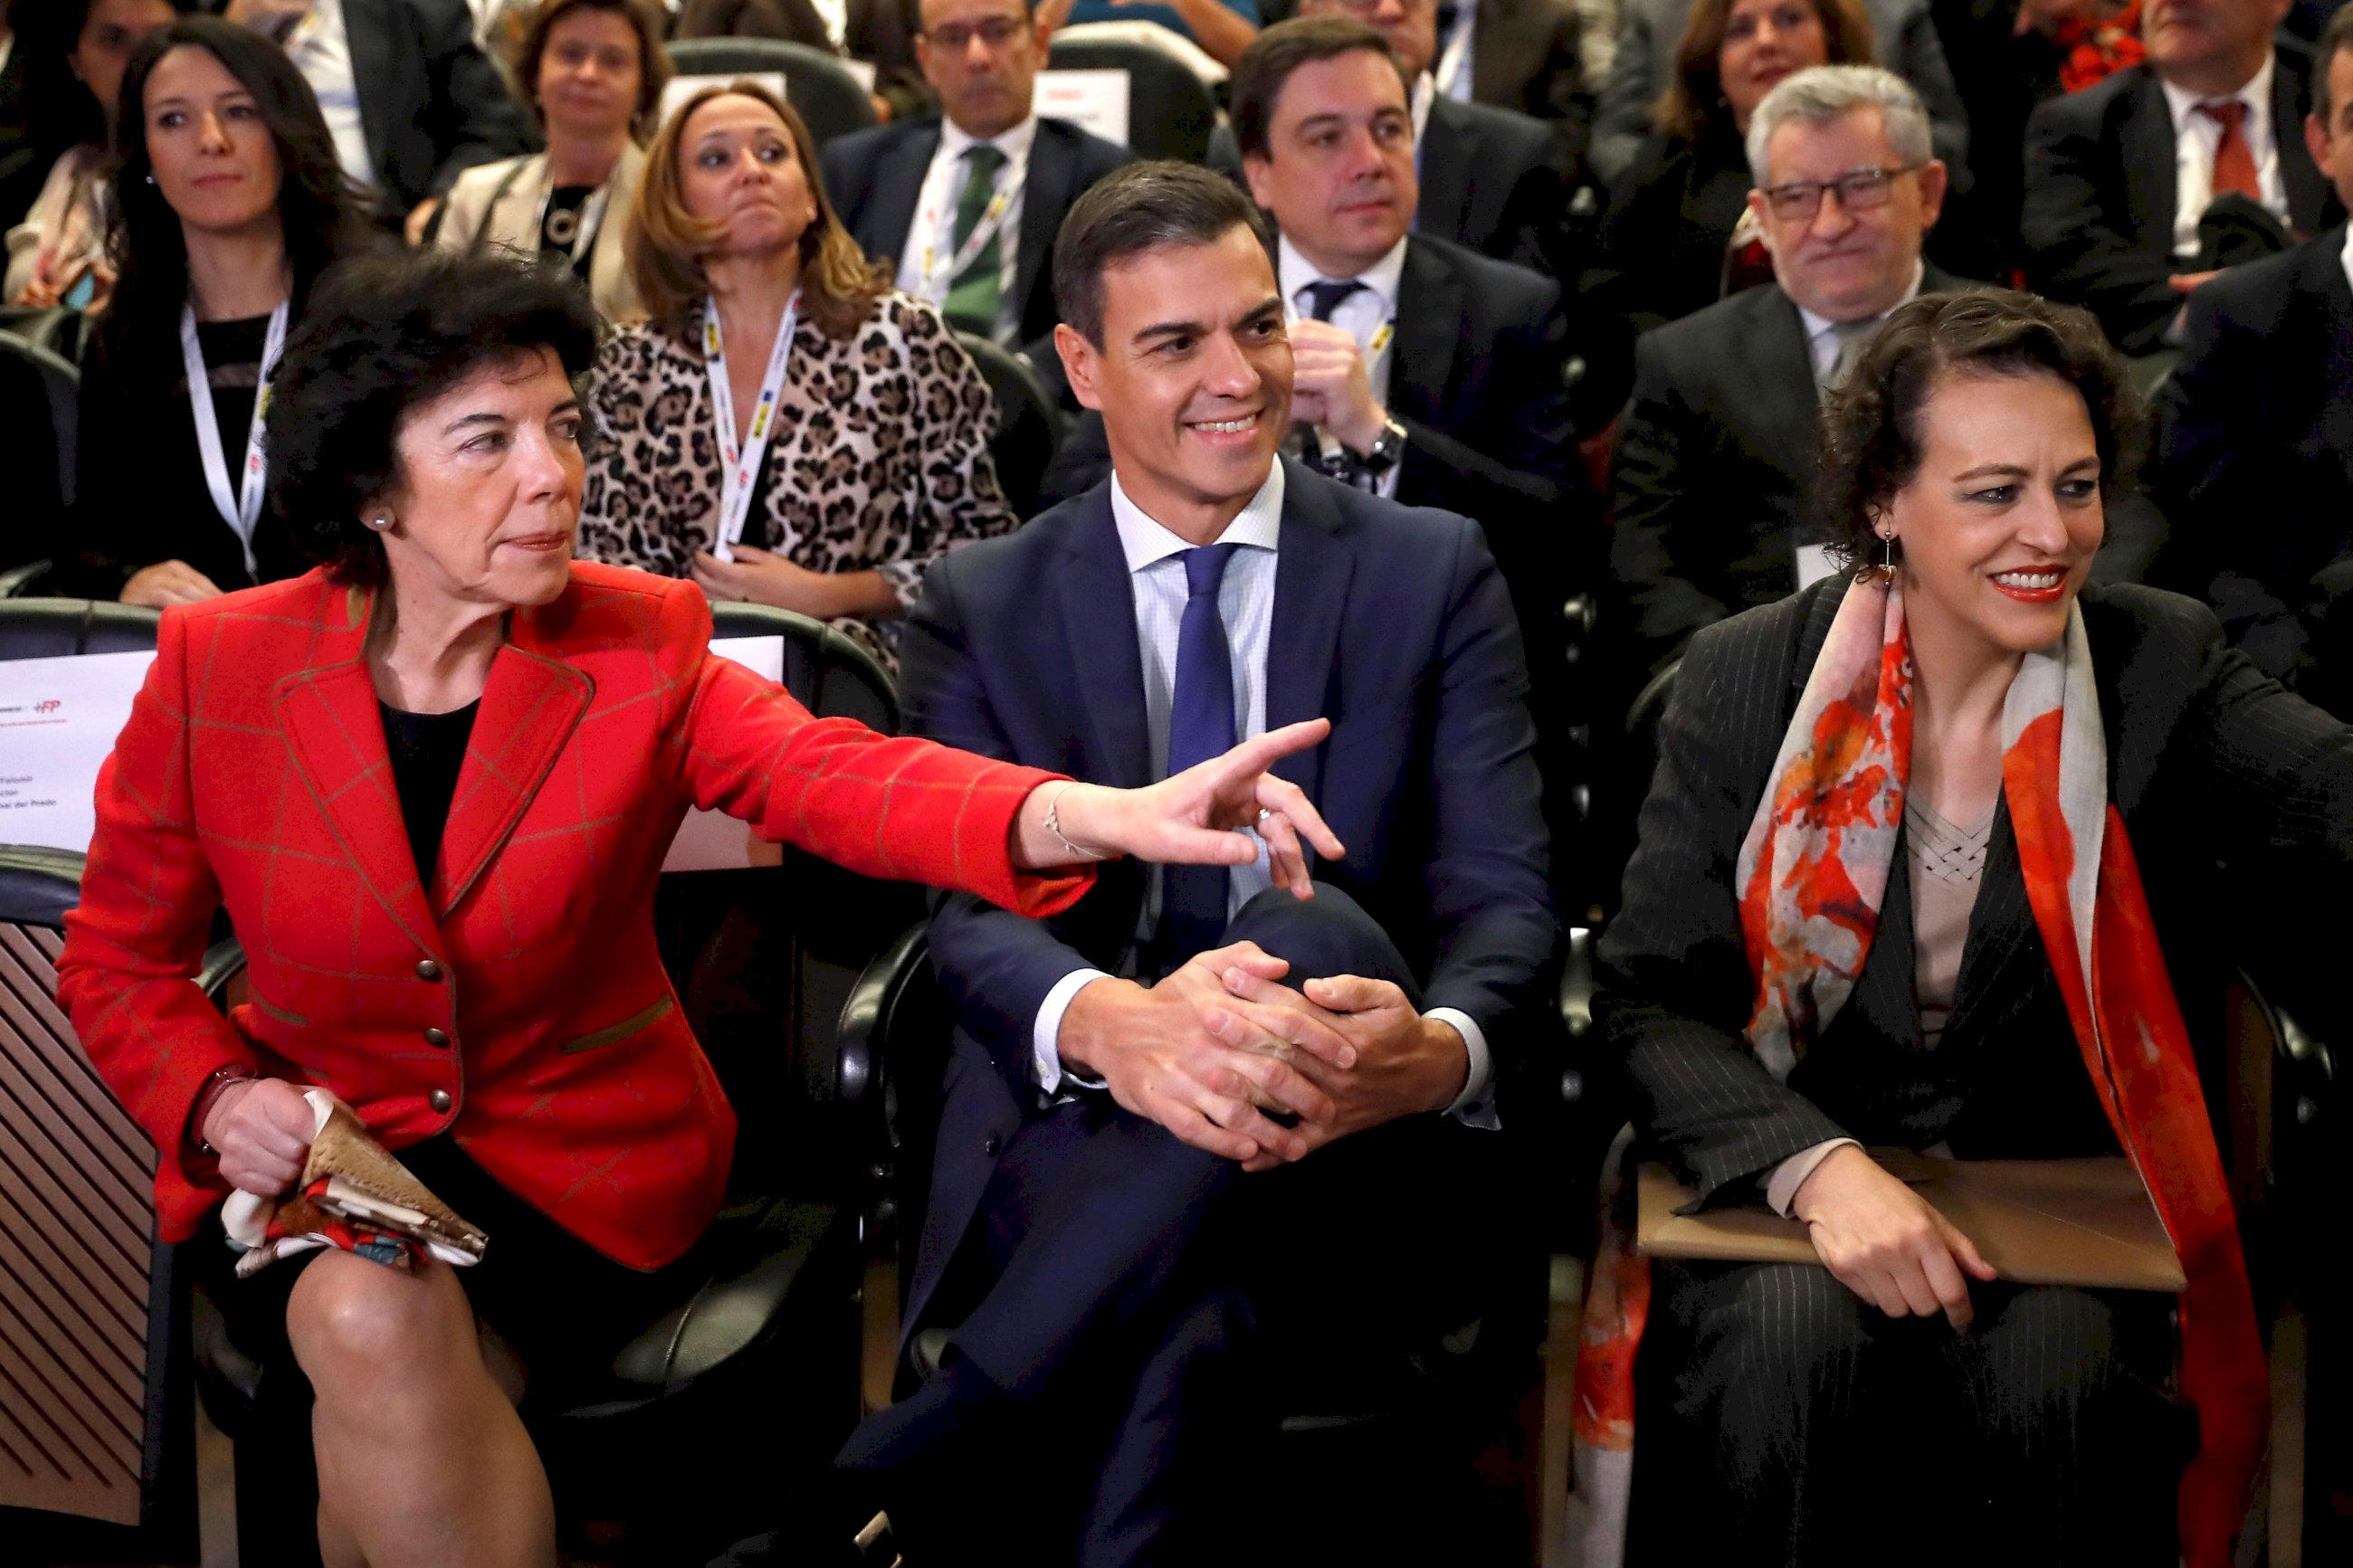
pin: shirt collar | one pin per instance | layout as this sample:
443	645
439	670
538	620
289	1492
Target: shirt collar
1816	325
1145	542
1296	272
1013	142
1424	91
2256	95
2347	258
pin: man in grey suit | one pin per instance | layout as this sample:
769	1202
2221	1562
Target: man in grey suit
1647	32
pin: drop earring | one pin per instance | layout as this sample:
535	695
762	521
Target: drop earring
1887	563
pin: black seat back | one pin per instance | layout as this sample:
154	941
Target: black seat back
1170	111
56	628
824	95
41	394
1028	425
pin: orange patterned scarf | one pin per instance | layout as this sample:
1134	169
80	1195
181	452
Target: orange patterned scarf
1813	874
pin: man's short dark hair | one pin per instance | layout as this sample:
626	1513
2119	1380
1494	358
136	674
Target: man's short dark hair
1873	435
1140	207
1267	65
2336	38
383	334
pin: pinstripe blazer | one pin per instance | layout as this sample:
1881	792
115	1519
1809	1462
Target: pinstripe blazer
518	1002
2229	787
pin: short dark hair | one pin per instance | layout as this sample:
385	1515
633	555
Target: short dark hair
653	60
383	335
1140	207
1873	442
315	207
2336	38
1266	67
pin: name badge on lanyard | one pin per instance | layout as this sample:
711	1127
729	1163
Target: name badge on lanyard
740	465
941	223
240	507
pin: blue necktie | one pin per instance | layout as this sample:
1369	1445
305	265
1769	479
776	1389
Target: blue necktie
1200	726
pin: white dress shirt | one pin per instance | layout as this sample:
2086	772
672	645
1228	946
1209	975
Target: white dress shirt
2348	258
321	49
2197	136
1246	604
1454	53
932	234
1822	332
1369	316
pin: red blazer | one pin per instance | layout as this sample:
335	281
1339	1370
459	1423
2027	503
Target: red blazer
518	1001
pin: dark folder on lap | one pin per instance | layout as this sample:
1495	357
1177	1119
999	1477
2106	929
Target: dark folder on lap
2038	1221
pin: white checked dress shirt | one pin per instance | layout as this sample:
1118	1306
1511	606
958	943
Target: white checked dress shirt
1369	316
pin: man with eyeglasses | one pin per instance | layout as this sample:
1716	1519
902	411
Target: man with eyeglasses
965	206
1717	452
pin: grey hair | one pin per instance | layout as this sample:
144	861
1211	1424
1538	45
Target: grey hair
1819	94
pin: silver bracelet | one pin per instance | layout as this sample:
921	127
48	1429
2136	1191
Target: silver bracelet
1054	825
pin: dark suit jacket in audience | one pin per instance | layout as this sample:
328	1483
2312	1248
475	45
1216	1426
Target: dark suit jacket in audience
2097	220
431	104
1715	465
876	177
880	31
1526	55
2256	423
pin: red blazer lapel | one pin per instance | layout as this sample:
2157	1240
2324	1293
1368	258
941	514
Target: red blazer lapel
531	706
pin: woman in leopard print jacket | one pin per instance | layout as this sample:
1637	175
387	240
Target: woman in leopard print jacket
877	457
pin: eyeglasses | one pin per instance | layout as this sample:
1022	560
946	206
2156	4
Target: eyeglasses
1858	190
997	32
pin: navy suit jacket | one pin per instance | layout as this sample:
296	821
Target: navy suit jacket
1392	622
876	177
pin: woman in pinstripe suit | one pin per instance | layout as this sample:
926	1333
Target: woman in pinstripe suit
1881	806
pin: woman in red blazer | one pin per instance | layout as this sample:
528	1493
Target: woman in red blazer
432	783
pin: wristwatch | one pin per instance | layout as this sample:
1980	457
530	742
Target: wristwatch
1386	448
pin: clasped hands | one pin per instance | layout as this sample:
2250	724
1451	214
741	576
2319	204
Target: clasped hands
1215	1047
1330	386
1884	1242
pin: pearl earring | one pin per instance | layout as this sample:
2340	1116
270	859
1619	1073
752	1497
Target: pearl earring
381	524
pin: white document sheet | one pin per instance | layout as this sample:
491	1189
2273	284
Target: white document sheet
713	840
1094	101
59	719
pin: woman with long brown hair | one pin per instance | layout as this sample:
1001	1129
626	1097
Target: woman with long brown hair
787	429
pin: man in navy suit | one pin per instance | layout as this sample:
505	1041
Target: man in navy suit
1202	1141
964	205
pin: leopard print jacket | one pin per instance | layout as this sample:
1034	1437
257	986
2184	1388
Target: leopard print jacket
879	460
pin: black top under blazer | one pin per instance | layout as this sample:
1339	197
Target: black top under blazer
2098	218
2232	789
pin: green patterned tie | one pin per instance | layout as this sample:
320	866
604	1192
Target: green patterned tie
971	304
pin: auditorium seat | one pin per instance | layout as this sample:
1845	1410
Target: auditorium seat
54	629
1028	425
39	413
753	1380
1170	111
98	1419
826	97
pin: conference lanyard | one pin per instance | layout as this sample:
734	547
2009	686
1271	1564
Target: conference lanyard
240	509
939	225
740	467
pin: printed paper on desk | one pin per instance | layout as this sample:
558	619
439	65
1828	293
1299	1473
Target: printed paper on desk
1094	101
682	87
713	840
59	719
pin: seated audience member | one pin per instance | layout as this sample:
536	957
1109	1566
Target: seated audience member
1523	54
2260	404
58	255
412	100
1421	372
229	205
1716	457
2139	189
593	72
1647	61
1930	863
879	32
985	186
787	428
2010	56
1681	234
1222	29
1495	180
29	436
456	930
1131	1243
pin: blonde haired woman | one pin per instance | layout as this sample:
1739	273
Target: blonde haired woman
593	72
787	428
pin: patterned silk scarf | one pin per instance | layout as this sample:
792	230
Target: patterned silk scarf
1813	874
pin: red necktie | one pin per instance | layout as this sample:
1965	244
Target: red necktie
2234	161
